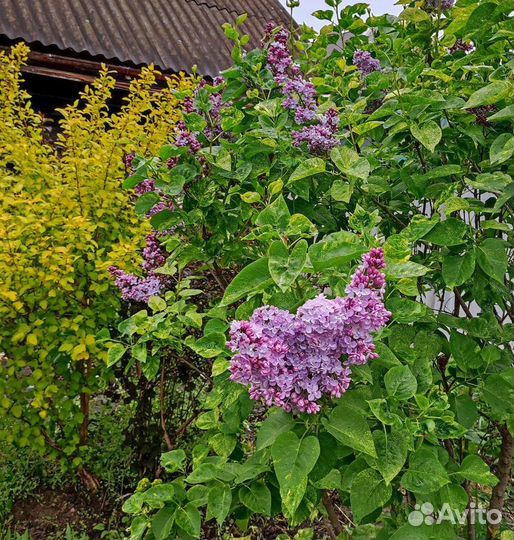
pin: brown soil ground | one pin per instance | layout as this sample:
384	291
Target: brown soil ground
50	512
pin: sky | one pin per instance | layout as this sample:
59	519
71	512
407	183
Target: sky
303	13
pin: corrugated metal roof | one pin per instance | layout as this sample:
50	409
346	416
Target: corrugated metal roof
172	34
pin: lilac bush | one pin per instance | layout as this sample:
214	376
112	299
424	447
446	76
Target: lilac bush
301	97
293	361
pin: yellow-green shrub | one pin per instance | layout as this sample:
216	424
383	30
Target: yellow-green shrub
63	222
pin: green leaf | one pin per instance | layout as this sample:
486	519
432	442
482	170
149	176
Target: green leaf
432	531
368	492
502	148
341	191
138	527
231	118
406	311
474	469
151	367
344	157
419	227
507	113
223	444
414	15
253	467
189	520
453	495
349	426
218	502
252	278
335	250
428	134
134	504
157	495
442	171
492	93
300	225
293	460
210	345
392	449
447	233
492	258
498	393
332	480
278	422
115	354
466	411
165	219
285	267
400	382
276	214
251	197
146	202
168	151
308	167
405	270
425	474
457	269
203	473
504	197
256	497
493	182
195	122
349	162
162	522
156	303
465	351
174	460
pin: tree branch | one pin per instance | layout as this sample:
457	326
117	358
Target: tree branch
503	472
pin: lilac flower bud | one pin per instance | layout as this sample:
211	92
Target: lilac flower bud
436	5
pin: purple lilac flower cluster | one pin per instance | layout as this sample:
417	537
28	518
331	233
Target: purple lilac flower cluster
461	45
301	97
140	289
481	114
146	186
154	254
320	138
365	62
292	361
135	288
186	138
436	5
128	159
